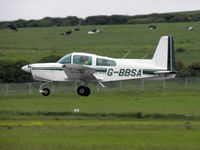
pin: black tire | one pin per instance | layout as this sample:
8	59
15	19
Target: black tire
87	91
45	92
81	90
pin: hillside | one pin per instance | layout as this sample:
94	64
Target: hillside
34	43
189	12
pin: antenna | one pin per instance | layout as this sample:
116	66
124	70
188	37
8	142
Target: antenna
144	56
126	54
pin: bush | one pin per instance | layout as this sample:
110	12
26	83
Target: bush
180	50
194	69
188	126
181	69
139	115
10	71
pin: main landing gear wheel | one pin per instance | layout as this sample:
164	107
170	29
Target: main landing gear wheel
45	92
83	91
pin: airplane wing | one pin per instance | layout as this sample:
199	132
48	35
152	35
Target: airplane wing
79	72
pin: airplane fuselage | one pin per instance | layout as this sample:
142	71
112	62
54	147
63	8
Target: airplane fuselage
125	69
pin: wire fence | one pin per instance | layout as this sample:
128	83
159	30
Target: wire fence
130	85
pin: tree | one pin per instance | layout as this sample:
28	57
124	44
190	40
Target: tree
95	20
118	19
71	21
178	18
50	58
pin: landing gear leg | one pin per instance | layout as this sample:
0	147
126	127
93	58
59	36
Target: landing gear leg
83	91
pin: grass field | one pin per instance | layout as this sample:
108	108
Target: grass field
115	40
183	102
105	121
152	119
98	135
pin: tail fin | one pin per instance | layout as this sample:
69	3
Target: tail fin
164	55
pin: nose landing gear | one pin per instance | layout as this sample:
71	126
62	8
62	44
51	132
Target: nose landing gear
83	91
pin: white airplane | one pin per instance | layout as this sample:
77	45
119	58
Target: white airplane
83	68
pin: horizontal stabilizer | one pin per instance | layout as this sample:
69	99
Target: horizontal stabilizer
162	72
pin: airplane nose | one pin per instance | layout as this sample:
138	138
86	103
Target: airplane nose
26	68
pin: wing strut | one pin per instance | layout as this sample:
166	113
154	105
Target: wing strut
101	84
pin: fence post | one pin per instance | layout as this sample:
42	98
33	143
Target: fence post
75	85
164	84
6	88
193	113
53	92
186	82
142	85
97	87
29	89
120	85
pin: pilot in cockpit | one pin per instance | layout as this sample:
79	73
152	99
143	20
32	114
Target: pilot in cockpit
84	60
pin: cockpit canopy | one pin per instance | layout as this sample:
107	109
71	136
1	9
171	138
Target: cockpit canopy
105	62
84	59
77	59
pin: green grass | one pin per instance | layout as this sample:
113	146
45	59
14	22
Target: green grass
34	43
183	102
104	134
48	123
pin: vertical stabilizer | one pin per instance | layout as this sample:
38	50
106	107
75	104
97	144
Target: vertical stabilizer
164	55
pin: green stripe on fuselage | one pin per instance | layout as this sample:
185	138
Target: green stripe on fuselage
46	68
151	71
148	71
101	70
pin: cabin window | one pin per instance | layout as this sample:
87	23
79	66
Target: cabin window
65	60
105	62
82	60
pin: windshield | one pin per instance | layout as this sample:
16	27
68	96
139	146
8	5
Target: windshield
65	60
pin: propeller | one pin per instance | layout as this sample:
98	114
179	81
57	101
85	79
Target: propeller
30	68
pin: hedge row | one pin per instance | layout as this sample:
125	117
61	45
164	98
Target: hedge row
105	20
